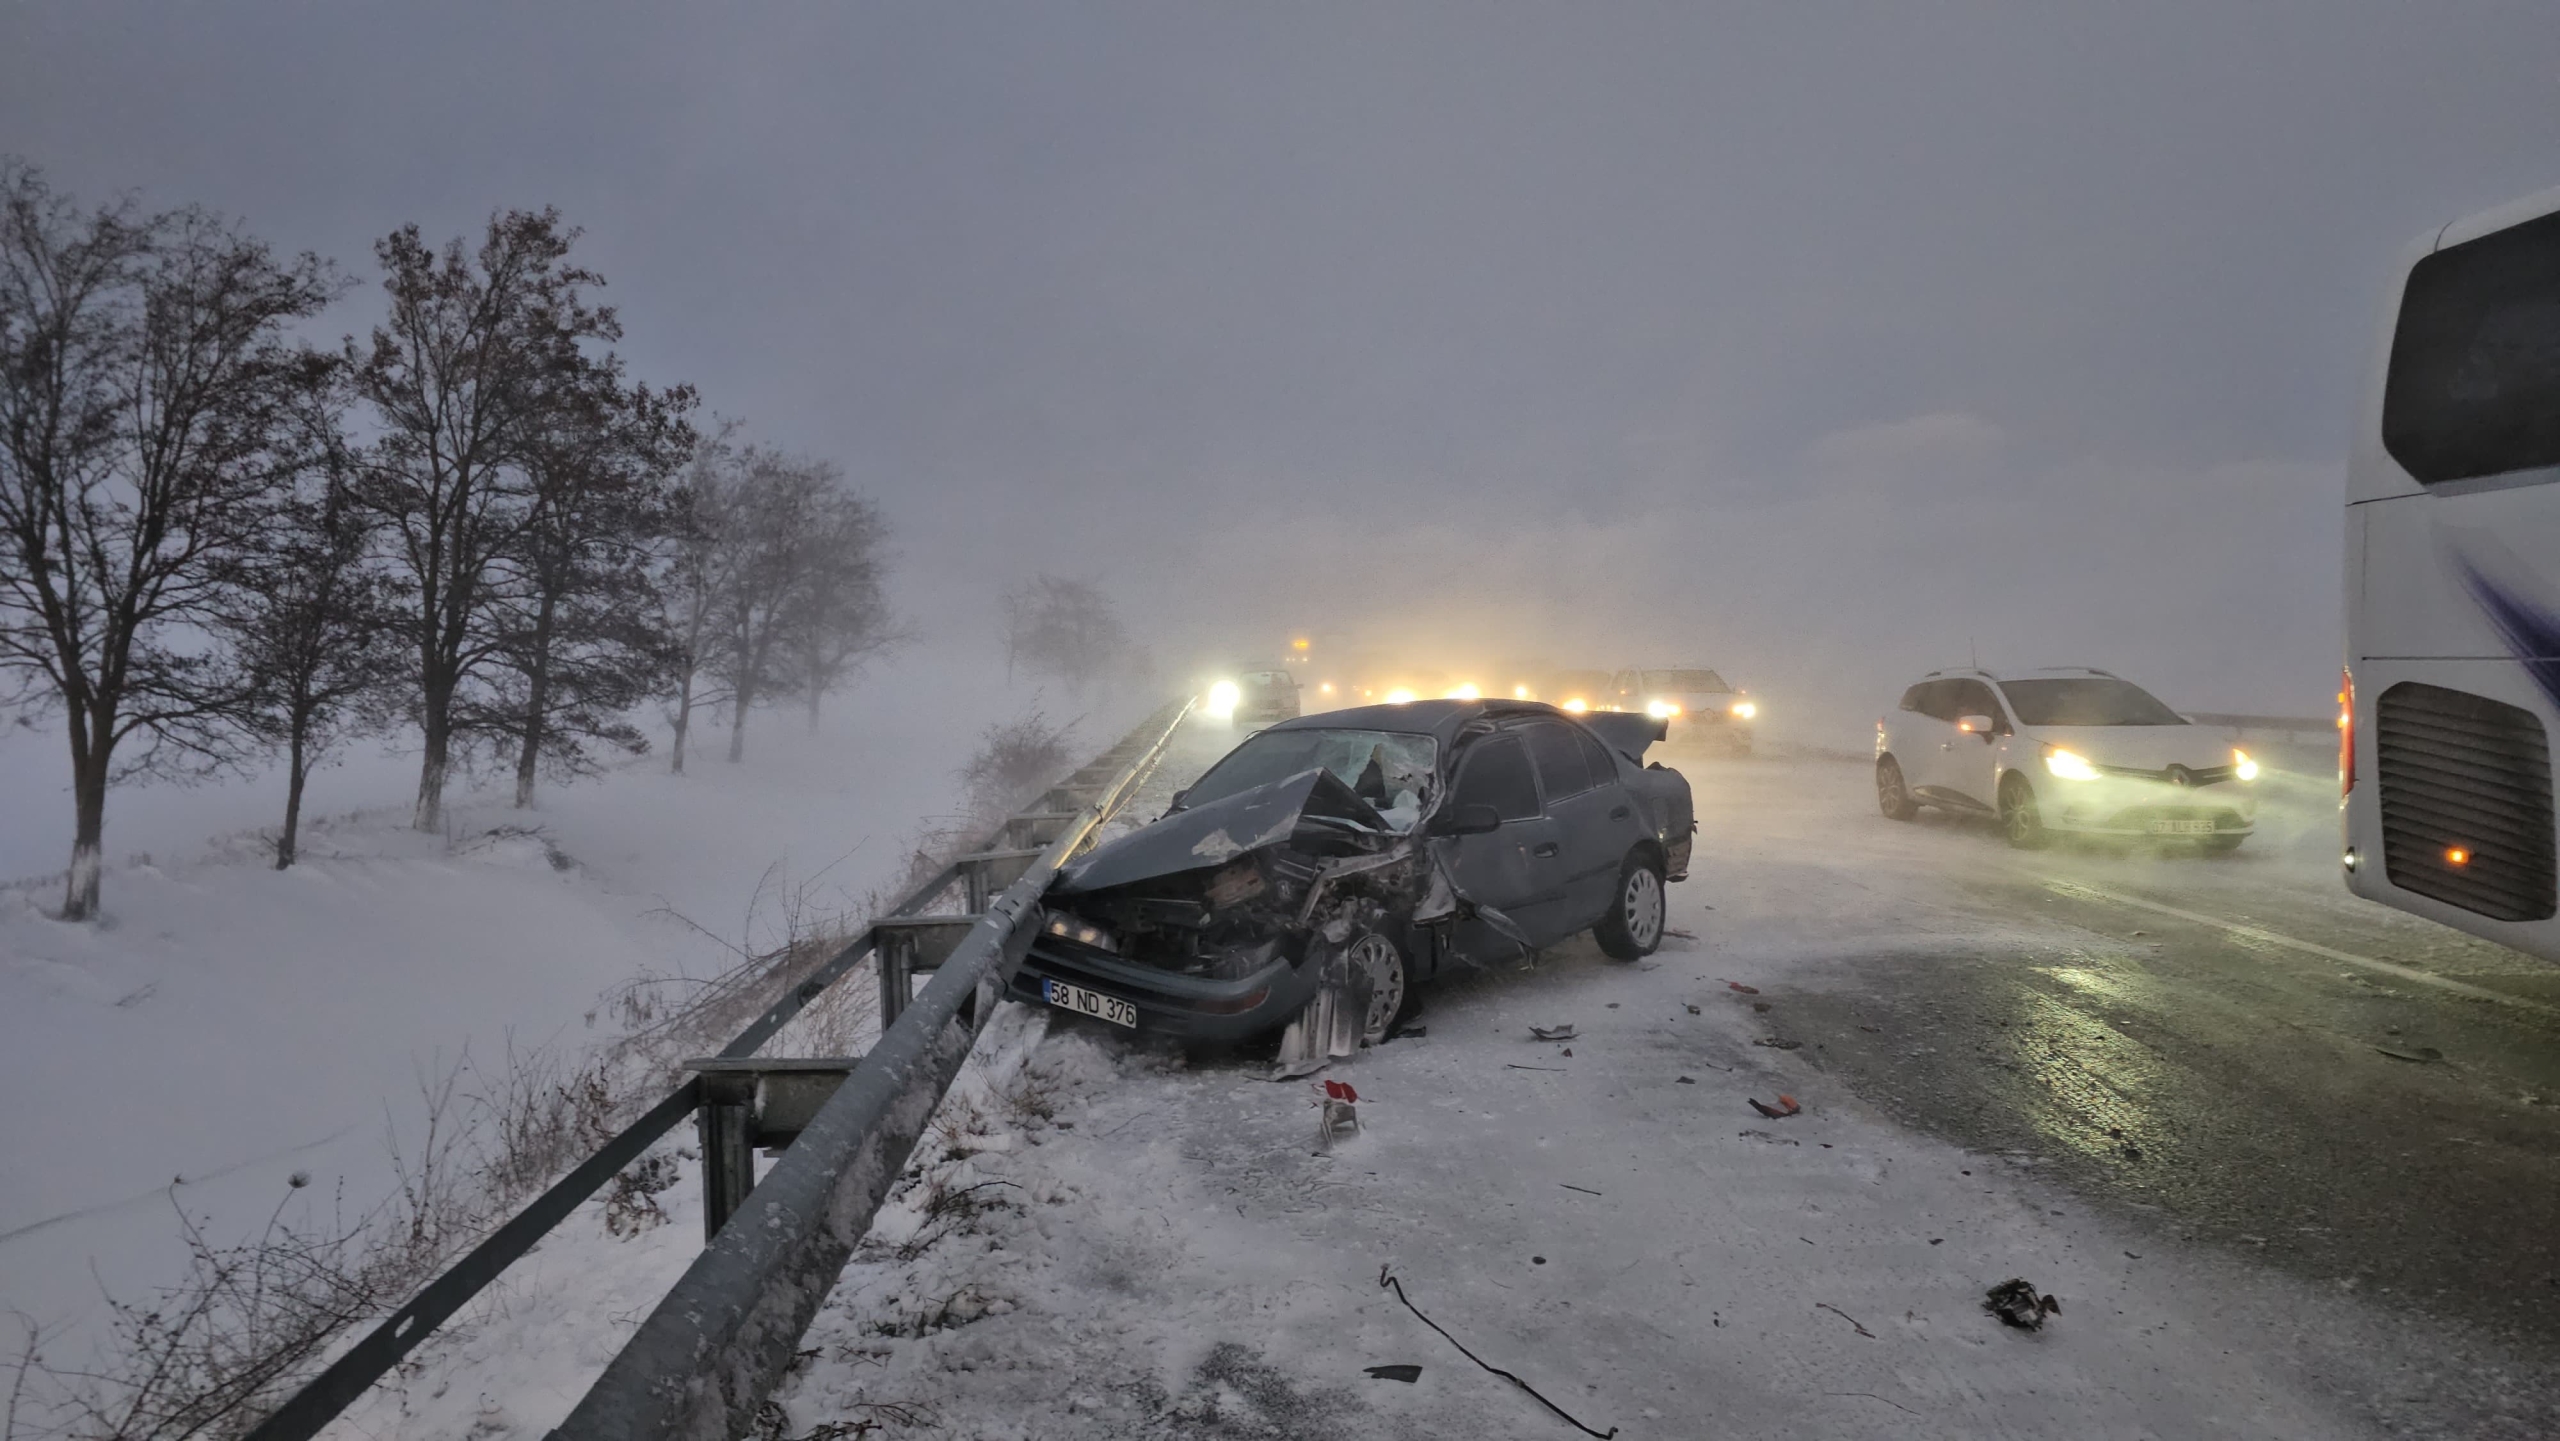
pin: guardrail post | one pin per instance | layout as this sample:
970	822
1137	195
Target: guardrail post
896	952
728	1160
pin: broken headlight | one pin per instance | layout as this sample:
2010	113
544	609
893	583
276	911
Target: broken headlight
1082	932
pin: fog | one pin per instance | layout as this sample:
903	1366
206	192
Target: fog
1823	344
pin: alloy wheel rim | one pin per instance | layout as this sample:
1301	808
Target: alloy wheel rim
2022	813
1889	786
1644	907
1376	955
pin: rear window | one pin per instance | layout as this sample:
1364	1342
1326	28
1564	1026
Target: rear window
1684	680
2097	701
2474	384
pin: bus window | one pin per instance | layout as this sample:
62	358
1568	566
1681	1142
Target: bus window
2473	388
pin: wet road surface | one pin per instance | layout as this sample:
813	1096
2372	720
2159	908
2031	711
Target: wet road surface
2227	1050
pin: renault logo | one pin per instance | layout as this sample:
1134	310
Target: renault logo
2181	777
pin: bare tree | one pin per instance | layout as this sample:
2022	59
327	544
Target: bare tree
459	376
143	375
770	537
578	628
1064	628
694	579
310	619
842	621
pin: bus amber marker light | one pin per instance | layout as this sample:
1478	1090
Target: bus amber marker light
2457	856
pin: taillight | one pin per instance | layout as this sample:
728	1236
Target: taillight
2346	732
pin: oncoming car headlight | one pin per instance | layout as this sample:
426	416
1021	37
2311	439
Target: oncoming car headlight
1223	700
1082	932
1661	709
2069	765
2243	767
1745	710
1577	705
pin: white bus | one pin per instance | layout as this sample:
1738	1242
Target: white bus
2451	696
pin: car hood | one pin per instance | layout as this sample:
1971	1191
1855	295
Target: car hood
1628	731
2150	748
1209	835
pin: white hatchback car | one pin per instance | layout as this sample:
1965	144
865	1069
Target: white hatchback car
2062	750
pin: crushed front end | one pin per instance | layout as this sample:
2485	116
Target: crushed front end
1225	922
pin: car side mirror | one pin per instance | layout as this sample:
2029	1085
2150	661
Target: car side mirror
1467	820
1978	725
1176	803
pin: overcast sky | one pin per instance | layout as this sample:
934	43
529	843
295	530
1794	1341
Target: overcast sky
1820	341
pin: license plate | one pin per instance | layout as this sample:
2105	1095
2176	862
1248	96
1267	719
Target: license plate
2182	828
1089	1003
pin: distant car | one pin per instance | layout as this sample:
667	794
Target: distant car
1701	706
1312	878
2069	750
1266	695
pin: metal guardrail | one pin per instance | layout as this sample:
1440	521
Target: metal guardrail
703	1361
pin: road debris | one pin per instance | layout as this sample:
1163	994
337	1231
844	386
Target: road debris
1778	1043
1687	1081
1746	990
1786	1107
1406	1374
1586	1190
1678	934
1552	1033
1760	1006
1773	1138
2017	1304
1387	1278
1516	1066
1845	1316
1338	1111
2421	1056
1693	1010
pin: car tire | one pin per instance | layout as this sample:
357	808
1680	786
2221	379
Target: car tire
2020	820
1892	796
1638	910
1390	984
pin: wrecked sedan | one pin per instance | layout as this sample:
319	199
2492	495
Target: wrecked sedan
1312	878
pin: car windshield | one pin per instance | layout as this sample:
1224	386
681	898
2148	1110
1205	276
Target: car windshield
1684	680
1391	770
2097	701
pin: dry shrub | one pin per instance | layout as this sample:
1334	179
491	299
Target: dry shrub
1015	761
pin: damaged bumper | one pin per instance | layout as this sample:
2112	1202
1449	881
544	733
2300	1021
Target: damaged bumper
1200	1008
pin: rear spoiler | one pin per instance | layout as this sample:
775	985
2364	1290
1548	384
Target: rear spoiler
1626	731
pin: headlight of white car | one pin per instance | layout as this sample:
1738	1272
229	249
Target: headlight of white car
2069	765
1745	710
2243	767
1661	709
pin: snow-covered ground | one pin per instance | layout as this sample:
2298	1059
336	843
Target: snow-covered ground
1107	1238
227	1026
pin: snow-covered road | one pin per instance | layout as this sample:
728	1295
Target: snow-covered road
1610	1219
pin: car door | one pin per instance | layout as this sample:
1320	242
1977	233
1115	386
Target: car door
1920	736
1597	820
1519	866
1968	761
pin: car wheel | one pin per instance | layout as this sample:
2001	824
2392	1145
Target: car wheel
1633	927
1892	796
1390	986
2019	816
